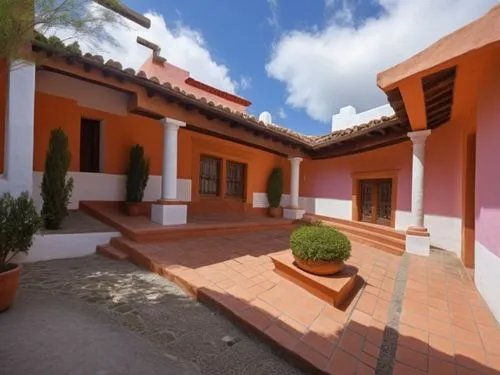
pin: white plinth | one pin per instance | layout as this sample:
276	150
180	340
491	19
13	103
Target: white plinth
169	214
418	245
293	213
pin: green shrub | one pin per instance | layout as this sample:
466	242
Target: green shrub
275	187
137	175
56	187
320	243
19	222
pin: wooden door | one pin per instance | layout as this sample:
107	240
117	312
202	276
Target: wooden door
376	201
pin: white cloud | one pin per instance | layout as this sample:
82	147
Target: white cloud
245	82
180	45
273	18
337	66
282	114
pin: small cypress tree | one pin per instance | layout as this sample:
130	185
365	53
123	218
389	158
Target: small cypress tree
56	187
137	175
275	188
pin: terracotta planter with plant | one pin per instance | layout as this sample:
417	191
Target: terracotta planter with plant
137	180
320	250
19	221
274	192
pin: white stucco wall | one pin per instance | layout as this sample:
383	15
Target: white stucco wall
109	187
62	246
19	129
487	266
348	116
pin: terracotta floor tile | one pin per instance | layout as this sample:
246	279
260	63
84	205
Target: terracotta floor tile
484	317
439	367
311	355
327	328
367	303
402	369
441	347
412	358
439	327
352	342
470	356
439	314
463	335
342	363
365	370
413	338
291	325
322	344
494	362
334	314
282	337
257	318
360	322
265	307
491	339
375	336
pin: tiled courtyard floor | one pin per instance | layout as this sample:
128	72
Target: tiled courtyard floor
412	315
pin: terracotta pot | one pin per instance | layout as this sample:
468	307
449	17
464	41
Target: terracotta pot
321	268
275	211
133	208
9	282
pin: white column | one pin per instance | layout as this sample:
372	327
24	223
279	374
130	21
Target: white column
294	212
167	211
417	237
19	129
417	183
169	169
294	182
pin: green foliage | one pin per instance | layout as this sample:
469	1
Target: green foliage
56	187
137	174
320	243
19	222
81	20
275	187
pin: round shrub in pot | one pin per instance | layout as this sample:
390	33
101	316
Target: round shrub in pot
319	249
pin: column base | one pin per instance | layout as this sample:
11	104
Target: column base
169	214
418	241
293	213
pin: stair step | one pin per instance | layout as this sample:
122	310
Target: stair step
111	252
372	228
395	242
385	239
377	244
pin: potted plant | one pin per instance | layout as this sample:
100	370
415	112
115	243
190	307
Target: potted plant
137	180
274	192
319	249
19	221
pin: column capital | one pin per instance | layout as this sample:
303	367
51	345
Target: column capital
295	159
171	123
419	136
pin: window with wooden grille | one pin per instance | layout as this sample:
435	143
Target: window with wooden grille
209	176
235	179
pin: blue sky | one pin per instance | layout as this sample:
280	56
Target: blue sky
301	59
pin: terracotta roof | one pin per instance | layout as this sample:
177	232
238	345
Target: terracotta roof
223	94
480	33
307	141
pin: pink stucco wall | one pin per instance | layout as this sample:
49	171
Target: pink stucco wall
488	166
331	178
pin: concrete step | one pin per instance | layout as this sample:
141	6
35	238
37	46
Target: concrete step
380	245
386	239
111	252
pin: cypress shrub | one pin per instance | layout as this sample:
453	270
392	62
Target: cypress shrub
275	187
56	187
137	175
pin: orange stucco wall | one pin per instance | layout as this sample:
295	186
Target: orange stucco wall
120	133
3	98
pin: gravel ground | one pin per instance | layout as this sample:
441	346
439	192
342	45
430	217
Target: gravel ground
99	316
